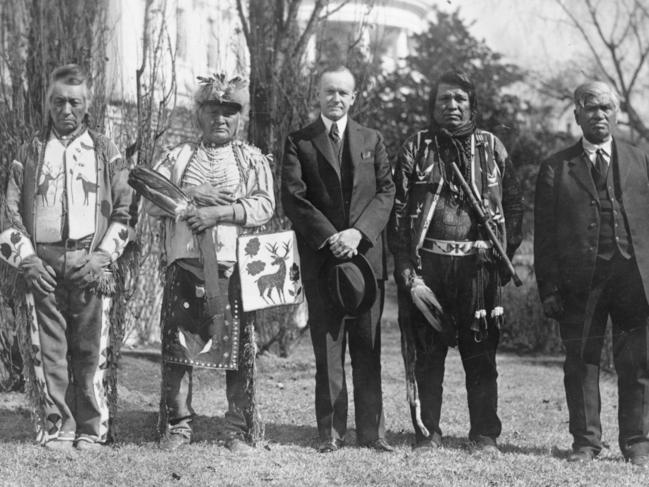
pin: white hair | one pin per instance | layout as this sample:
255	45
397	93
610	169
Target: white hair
594	88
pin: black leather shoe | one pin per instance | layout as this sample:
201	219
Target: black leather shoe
329	445
485	444
426	444
379	445
583	455
641	461
173	441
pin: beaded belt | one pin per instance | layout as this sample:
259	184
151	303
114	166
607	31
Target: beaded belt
71	244
453	248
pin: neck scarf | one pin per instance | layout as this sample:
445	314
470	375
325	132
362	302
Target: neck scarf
455	146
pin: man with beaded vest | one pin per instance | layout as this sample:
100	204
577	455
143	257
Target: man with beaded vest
67	221
231	187
439	246
591	256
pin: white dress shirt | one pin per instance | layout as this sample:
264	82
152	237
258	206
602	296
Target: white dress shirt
342	124
591	149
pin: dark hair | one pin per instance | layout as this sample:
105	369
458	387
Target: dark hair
69	74
455	78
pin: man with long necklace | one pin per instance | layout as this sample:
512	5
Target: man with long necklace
231	189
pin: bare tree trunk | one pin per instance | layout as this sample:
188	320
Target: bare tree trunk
282	89
280	81
280	92
63	32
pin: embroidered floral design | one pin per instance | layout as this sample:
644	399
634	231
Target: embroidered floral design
294	277
255	267
252	248
294	274
10	250
6	250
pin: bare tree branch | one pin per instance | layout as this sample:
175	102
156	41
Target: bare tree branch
334	10
300	45
625	55
245	28
631	24
636	121
641	62
291	15
591	46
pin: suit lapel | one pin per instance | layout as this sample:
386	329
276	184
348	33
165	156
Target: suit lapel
321	142
624	161
580	170
354	139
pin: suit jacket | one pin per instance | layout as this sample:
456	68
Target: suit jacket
313	199
567	218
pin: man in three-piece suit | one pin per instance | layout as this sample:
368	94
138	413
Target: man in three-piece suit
591	246
338	192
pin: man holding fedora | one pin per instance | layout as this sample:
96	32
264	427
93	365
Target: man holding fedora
338	192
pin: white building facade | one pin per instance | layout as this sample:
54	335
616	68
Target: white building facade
204	36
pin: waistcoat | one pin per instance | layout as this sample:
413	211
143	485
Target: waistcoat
613	227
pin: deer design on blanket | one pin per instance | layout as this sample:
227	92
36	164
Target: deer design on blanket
88	187
275	280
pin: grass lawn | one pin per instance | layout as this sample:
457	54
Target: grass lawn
535	439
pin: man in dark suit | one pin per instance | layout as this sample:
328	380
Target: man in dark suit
338	192
591	250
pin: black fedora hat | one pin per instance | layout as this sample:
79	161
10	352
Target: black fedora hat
350	284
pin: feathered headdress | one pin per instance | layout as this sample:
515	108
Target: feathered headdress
219	88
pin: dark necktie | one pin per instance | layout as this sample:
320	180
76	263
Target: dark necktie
334	136
601	167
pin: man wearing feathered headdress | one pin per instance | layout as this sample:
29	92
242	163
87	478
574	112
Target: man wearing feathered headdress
66	224
230	189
